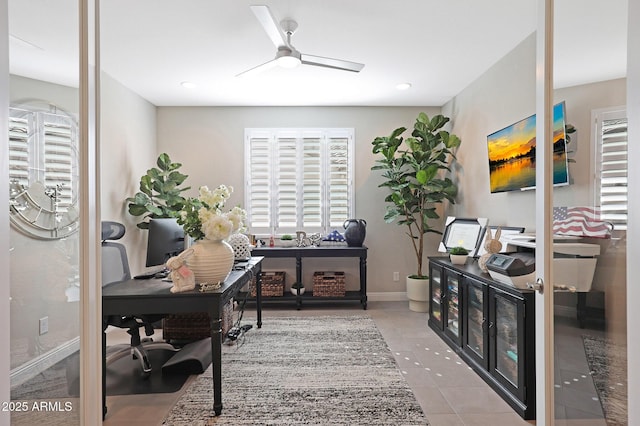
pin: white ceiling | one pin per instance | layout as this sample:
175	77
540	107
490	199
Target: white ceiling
439	46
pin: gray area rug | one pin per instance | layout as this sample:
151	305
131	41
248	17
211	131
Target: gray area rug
608	365
327	370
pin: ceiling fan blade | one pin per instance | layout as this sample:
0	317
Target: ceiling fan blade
257	70
270	25
338	64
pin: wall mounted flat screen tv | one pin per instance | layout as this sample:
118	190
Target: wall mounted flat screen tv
512	154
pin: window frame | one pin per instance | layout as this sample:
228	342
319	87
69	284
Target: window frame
272	136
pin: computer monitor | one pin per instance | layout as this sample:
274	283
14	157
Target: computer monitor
166	239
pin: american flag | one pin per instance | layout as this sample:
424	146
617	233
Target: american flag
579	221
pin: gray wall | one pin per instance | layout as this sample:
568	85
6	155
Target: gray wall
209	143
128	149
502	96
47	290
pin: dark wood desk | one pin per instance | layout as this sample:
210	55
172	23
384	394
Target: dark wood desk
322	251
152	296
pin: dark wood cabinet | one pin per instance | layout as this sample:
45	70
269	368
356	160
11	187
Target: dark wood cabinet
476	321
436	301
490	325
444	302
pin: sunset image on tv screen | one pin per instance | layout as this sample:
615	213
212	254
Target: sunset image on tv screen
512	154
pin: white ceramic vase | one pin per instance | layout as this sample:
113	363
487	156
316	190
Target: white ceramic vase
418	294
211	260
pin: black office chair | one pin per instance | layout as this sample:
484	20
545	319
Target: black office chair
115	268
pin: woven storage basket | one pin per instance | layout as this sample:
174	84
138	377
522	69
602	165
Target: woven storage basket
196	326
328	284
272	284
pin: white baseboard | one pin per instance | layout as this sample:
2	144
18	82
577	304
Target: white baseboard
387	296
32	368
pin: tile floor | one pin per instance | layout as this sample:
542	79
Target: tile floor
449	392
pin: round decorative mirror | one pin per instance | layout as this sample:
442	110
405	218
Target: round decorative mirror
43	172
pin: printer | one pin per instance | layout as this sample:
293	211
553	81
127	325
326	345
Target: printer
574	262
515	269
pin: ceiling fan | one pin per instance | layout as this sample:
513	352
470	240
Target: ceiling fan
288	56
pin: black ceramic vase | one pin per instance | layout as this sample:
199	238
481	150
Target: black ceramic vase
355	231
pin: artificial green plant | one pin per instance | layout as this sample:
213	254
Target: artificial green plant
160	192
413	170
458	251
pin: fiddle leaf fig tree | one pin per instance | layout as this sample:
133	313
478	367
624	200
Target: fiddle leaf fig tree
413	169
160	192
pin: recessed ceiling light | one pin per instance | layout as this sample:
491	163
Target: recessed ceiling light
187	84
403	86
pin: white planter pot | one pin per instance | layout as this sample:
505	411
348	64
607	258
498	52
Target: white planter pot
294	291
418	294
458	259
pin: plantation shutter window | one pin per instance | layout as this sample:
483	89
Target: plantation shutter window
259	174
611	167
298	179
311	184
339	182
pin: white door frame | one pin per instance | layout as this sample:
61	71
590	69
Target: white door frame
90	230
544	204
5	293
633	243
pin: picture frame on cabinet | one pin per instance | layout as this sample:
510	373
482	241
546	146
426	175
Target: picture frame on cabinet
463	232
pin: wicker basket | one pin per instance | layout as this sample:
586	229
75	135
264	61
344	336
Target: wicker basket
328	284
272	284
196	326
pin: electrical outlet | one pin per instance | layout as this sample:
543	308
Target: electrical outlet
396	276
44	325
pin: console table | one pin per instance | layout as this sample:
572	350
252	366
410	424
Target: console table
322	251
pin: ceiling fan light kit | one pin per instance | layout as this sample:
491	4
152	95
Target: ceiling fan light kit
288	56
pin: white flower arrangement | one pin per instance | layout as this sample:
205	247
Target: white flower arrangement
203	217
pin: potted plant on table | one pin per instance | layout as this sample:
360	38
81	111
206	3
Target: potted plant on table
458	255
286	240
413	169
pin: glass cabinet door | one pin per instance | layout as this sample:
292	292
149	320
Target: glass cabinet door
476	335
507	354
452	288
435	296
